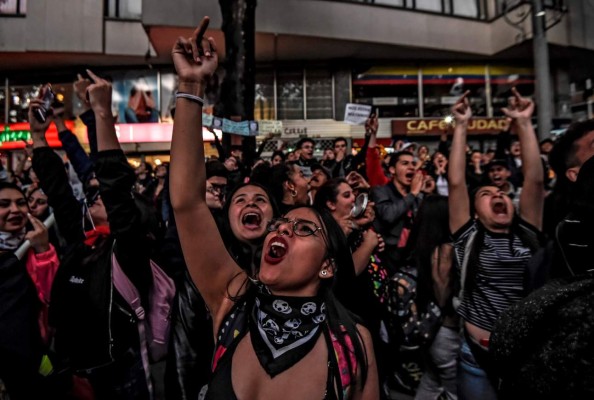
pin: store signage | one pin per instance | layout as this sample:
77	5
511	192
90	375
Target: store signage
432	126
14	136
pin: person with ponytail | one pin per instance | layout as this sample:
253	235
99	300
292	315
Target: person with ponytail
281	333
494	247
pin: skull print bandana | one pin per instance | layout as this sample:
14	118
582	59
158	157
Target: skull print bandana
285	329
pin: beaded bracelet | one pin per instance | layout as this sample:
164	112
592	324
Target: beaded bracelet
191	97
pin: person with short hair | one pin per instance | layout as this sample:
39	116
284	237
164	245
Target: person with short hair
306	148
493	248
396	204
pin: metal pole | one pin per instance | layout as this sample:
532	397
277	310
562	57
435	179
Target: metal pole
541	67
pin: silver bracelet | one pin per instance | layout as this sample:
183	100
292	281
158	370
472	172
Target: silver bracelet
191	97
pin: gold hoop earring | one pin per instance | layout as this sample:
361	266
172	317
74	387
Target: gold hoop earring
293	193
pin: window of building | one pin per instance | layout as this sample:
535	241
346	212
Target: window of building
125	9
319	94
394	92
443	85
503	79
429	5
290	94
13	7
264	98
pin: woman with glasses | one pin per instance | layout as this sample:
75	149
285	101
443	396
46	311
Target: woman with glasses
282	335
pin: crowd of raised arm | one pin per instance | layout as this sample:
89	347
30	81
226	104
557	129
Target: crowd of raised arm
435	272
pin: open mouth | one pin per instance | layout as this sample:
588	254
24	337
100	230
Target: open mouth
409	175
251	220
499	208
277	249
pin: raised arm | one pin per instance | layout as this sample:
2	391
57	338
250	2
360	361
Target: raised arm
458	202
211	267
532	197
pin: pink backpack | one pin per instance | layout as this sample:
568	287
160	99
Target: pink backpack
153	329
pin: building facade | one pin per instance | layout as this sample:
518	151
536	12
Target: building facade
409	59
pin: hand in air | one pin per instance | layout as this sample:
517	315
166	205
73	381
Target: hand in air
99	95
195	58
461	110
519	108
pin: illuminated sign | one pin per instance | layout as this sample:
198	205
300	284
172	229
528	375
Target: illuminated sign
439	126
14	136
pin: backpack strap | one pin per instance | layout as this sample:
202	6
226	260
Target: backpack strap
130	294
457	300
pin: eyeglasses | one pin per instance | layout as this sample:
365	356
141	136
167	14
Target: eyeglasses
301	227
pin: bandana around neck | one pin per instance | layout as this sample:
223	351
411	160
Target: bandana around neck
11	241
284	329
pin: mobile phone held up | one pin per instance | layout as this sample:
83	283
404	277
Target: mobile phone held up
48	97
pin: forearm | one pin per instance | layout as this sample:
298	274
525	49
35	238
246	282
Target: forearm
187	153
457	161
361	256
106	135
88	118
76	154
531	162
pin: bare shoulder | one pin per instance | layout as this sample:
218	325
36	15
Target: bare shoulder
365	335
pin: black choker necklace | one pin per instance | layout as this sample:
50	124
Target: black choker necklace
284	329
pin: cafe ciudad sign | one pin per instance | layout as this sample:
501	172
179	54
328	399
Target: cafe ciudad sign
437	126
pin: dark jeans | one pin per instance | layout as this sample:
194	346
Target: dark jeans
124	379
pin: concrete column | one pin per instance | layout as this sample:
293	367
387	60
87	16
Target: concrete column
541	67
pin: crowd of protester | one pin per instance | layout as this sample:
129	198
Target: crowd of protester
440	273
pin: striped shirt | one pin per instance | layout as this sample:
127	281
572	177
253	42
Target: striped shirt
499	277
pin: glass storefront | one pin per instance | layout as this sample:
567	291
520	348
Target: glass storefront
395	90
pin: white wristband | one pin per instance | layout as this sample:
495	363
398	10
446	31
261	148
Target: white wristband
191	97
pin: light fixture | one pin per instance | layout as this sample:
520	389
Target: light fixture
540	13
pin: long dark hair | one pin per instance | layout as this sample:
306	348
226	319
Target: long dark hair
328	192
242	252
338	317
430	230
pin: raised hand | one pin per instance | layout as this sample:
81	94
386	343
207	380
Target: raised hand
38	128
519	108
99	95
356	181
195	58
39	236
80	88
417	183
461	110
371	124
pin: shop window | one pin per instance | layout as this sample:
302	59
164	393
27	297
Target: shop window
394	92
20	97
319	94
13	7
442	86
125	9
503	79
290	95
264	97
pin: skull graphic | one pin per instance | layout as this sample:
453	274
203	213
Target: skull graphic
292	324
270	327
318	319
281	306
308	308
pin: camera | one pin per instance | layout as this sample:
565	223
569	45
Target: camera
48	98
